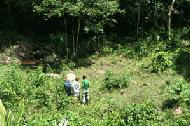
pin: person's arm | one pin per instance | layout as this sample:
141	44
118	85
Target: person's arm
82	84
88	84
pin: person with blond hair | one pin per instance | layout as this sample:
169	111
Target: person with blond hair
70	78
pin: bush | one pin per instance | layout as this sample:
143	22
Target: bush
180	92
176	120
49	118
141	115
32	85
12	86
107	50
181	121
146	47
37	78
16	118
182	33
113	81
160	61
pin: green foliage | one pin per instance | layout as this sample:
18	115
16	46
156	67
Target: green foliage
16	118
181	34
181	121
2	114
141	115
45	119
37	78
34	86
12	87
160	61
89	16
115	119
169	119
114	81
146	47
58	40
180	92
107	50
89	10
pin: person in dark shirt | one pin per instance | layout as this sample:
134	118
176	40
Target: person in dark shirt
70	78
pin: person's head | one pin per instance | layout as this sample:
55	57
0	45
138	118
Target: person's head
84	77
76	79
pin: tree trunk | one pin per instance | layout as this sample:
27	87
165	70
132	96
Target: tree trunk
142	29
170	19
77	37
169	26
165	18
138	20
66	39
73	38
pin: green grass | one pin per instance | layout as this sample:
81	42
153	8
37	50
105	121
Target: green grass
143	87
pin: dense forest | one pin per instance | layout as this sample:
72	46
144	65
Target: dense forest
135	53
78	21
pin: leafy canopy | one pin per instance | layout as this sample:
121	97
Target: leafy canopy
92	11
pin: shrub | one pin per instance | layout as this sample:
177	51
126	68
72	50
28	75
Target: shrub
141	115
176	120
160	62
115	119
180	92
179	34
16	118
107	50
182	63
146	47
114	81
183	120
12	86
50	118
37	78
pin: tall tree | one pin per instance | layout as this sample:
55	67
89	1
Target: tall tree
98	12
171	8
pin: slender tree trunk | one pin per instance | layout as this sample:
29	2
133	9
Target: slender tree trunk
170	19
165	19
73	37
142	28
169	26
77	37
66	38
138	20
154	16
98	42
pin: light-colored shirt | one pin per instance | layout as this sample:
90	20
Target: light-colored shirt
76	86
